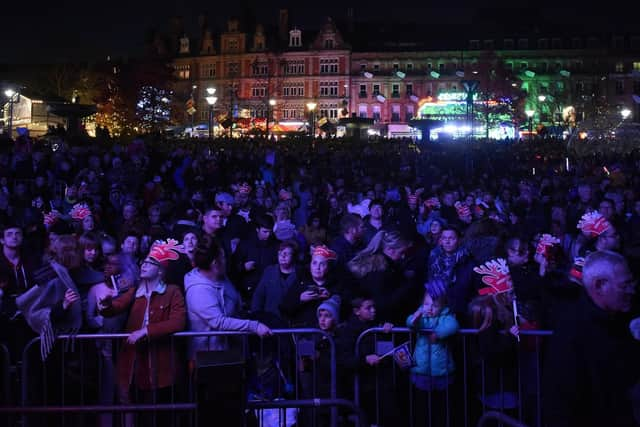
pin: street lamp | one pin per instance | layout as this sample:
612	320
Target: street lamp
312	106
271	104
625	113
211	100
530	114
10	93
542	98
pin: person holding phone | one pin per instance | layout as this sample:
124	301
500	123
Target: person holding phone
303	299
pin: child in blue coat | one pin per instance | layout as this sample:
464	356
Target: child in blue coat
434	366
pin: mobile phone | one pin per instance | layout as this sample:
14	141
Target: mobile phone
114	280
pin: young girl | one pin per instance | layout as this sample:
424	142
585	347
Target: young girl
434	366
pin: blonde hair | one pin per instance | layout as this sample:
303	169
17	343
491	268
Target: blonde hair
372	257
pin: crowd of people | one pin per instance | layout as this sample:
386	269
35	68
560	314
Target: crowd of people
153	237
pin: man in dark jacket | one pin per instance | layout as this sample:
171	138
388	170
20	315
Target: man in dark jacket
15	279
592	358
347	244
254	255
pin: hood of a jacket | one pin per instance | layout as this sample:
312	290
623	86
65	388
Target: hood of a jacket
196	278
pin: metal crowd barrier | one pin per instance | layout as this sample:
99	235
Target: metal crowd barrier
72	386
5	373
488	378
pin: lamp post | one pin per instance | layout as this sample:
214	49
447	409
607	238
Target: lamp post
211	100
312	106
625	113
272	103
11	94
530	114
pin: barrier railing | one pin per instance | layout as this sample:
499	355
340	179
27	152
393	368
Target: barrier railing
498	374
69	386
74	393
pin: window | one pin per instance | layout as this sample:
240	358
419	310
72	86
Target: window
636	87
328	66
363	67
208	70
233	69
329	110
376	67
395	113
295	38
409	66
619	87
328	43
592	42
636	66
474	44
556	43
488	44
260	69
509	66
577	66
619	67
543	67
523	66
409	113
258	91
232	45
376	112
558	66
429	66
376	90
363	91
543	43
579	87
409	89
362	111
295	67
395	90
328	88
618	42
204	114
291	113
576	43
293	89
635	42
523	43
182	71
441	68
508	44
396	67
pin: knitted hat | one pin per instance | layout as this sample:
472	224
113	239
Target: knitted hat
224	198
332	305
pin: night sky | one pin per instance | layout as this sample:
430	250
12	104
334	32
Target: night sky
54	31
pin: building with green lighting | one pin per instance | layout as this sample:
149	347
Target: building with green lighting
409	86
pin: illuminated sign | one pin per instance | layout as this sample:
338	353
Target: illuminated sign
454	96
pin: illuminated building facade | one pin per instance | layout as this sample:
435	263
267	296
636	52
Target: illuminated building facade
563	80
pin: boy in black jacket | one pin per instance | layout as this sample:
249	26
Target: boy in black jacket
365	364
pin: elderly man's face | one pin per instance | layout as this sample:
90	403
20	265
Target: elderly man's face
615	292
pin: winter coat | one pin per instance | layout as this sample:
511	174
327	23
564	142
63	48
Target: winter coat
263	252
391	291
211	307
591	365
271	290
434	359
303	314
152	362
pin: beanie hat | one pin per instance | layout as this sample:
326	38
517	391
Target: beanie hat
224	198
332	305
